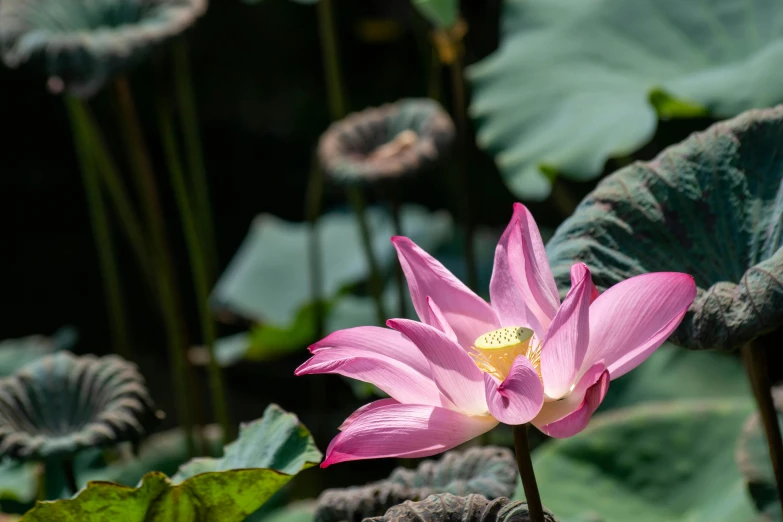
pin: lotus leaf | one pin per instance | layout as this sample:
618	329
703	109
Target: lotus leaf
61	404
451	508
489	471
668	461
712	207
576	82
264	458
80	44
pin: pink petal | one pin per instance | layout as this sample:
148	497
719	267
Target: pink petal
634	317
567	338
530	270
439	321
578	420
455	373
395	378
519	398
468	314
553	411
404	430
380	403
505	297
381	341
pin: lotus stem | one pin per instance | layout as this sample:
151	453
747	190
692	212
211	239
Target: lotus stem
194	152
70	476
459	110
169	298
394	199
312	211
525	465
335	91
562	198
358	203
755	356
336	97
198	262
99	219
110	175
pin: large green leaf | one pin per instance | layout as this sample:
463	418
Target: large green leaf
267	454
268	280
578	81
18	481
672	373
711	207
489	471
441	13
668	461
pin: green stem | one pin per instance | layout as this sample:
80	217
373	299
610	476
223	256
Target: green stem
110	175
193	149
755	356
394	198
331	60
375	283
525	465
166	285
563	201
102	236
70	476
459	104
200	275
313	198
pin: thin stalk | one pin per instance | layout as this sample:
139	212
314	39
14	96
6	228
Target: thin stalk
99	219
525	465
70	476
313	198
169	302
357	201
186	98
201	281
112	181
335	91
755	356
563	201
459	108
394	198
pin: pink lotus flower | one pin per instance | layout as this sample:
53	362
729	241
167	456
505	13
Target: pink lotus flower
468	365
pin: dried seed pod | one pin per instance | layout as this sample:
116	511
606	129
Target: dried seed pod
451	508
80	44
490	471
61	403
388	142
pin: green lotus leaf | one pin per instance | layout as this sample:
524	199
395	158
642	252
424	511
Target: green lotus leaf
754	461
451	508
710	207
164	452
15	353
388	142
441	13
302	511
668	461
267	454
268	279
18	481
277	441
61	404
672	373
576	82
489	471
80	44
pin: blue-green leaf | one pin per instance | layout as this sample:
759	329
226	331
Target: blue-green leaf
572	82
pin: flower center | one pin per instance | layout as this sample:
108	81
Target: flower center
401	142
494	352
